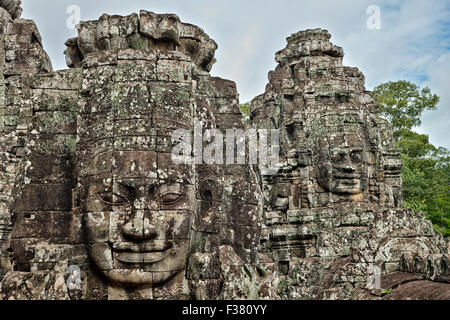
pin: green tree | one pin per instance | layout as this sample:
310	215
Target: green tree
426	168
245	110
403	102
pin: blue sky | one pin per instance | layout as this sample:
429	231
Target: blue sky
413	42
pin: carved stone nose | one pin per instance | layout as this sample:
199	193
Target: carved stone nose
150	230
139	229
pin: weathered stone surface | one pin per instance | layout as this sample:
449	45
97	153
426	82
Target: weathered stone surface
23	49
93	206
43	285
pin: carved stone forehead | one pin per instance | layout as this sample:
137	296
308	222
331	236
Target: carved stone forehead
345	130
138	164
134	109
108	182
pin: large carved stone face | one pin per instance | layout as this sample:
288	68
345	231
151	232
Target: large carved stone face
138	222
343	170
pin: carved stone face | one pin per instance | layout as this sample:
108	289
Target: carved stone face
138	223
343	170
73	54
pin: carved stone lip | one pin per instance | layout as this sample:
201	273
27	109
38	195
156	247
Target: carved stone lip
141	247
143	253
141	257
349	177
349	181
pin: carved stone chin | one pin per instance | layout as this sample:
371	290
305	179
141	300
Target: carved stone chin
135	278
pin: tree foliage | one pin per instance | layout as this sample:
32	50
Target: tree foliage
403	102
245	110
426	168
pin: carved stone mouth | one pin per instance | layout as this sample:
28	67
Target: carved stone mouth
349	181
141	253
141	257
141	247
349	176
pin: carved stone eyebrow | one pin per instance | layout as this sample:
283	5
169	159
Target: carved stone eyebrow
135	183
159	189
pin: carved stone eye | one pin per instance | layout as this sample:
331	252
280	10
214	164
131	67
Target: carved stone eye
338	157
356	156
113	199
171	199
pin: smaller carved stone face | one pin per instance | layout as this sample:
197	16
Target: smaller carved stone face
13	7
138	223
343	170
163	29
73	54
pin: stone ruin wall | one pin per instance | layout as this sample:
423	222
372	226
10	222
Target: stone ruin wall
20	53
315	244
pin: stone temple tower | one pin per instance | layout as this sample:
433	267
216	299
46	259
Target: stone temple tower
333	213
